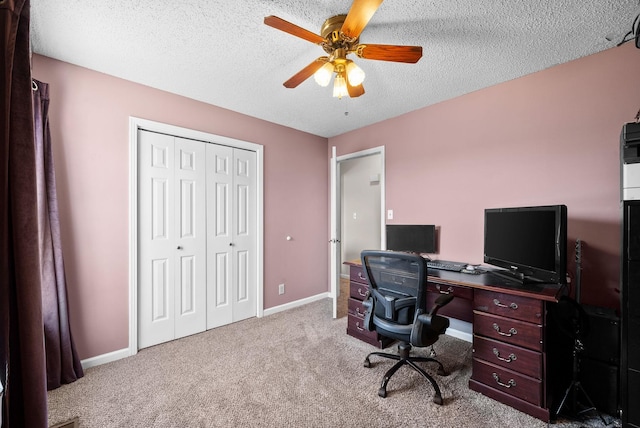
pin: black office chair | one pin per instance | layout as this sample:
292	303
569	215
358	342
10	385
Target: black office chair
395	307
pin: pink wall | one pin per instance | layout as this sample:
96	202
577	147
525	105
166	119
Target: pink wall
89	115
547	138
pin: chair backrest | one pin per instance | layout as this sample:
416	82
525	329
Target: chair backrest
397	285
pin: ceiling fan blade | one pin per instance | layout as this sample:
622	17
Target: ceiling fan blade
306	72
358	17
393	53
355	91
287	27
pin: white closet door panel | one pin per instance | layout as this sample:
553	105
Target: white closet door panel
219	235
160	284
244	240
222	270
156	241
243	293
190	214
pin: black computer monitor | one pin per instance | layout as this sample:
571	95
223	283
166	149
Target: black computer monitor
529	242
415	238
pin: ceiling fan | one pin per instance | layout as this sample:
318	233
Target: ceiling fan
339	37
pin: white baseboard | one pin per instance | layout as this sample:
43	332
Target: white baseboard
123	353
295	304
460	329
105	358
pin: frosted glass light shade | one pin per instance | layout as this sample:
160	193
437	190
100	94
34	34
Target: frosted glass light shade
354	74
323	75
339	86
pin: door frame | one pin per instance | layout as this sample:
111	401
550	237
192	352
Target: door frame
336	212
136	124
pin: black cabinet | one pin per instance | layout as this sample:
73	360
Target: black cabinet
630	316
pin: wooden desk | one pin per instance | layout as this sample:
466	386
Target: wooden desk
519	357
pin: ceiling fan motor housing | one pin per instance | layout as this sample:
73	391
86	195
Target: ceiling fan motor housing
335	40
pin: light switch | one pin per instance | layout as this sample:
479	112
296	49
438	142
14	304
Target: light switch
389	214
355	216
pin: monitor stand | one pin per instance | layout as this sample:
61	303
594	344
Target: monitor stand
514	276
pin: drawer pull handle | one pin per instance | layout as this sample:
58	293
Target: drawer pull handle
506	385
449	290
361	276
358	326
361	293
511	357
512	331
512	305
358	312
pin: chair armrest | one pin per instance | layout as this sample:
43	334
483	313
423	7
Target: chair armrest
441	301
426	328
369	305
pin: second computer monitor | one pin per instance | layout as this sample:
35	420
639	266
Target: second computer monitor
415	238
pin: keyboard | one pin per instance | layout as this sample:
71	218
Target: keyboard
446	265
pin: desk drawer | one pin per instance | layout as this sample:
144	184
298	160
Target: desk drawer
508	330
508	381
356	324
458	308
507	305
512	357
356	274
355	329
358	291
457	291
356	308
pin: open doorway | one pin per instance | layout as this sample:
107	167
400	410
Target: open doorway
358	210
361	200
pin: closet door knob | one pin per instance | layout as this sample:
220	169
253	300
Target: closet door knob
231	244
179	247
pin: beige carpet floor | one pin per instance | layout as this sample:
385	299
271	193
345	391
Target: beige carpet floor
296	368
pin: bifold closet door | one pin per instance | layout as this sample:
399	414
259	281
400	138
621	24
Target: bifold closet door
231	235
171	238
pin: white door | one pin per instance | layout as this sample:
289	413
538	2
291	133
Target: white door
334	241
231	235
172	238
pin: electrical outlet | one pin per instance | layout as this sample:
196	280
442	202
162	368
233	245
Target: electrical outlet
281	289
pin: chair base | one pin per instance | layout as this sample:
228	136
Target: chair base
403	358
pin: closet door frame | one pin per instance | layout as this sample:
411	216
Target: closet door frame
136	124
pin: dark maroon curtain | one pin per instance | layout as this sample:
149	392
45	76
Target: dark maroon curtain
22	355
63	364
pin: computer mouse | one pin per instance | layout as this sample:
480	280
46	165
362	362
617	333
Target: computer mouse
470	267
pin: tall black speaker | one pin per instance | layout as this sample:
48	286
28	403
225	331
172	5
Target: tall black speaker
599	362
602	342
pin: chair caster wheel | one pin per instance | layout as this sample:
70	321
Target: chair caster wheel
437	399
367	363
382	392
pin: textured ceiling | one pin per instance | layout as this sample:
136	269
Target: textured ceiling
221	53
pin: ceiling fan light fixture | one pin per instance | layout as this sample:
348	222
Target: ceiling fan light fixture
339	37
340	86
324	74
354	73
